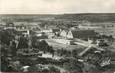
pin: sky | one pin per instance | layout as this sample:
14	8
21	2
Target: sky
56	6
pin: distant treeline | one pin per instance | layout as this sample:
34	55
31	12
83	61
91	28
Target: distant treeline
91	17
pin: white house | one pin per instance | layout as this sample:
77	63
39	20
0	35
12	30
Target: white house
63	33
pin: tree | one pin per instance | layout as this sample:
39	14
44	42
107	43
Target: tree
73	66
23	42
6	36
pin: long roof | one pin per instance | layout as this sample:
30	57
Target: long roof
83	33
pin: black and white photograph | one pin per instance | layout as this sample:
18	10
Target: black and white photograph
57	36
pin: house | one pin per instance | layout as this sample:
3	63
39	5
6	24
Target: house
9	26
46	30
37	33
51	32
81	34
89	27
63	33
25	32
27	25
62	41
21	27
55	30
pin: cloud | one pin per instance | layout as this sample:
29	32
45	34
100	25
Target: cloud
56	6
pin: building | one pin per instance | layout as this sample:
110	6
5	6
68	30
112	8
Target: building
9	26
51	32
25	32
56	30
63	41
27	25
82	34
89	27
63	33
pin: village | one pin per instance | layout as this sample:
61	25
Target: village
46	47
